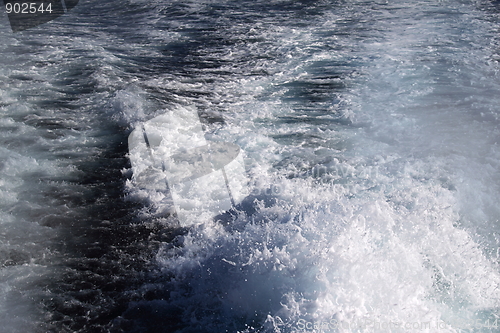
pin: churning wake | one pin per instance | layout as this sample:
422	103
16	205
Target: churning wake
369	132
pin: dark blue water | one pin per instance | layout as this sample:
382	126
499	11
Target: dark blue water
370	132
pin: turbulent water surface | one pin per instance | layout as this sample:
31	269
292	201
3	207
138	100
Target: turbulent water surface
370	131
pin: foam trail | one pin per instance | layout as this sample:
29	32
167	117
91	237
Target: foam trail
370	132
362	159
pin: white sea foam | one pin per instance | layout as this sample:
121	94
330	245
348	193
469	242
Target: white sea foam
392	235
370	137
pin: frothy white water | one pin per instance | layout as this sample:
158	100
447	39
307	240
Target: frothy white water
370	131
377	214
23	242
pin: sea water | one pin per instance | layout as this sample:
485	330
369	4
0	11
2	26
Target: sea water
370	131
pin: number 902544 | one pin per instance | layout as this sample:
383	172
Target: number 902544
28	8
